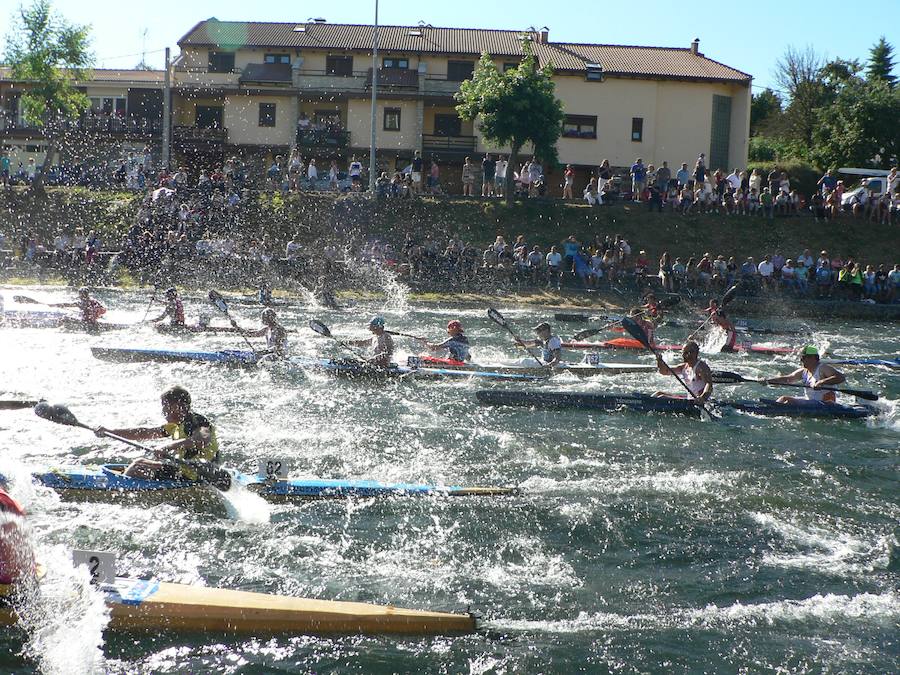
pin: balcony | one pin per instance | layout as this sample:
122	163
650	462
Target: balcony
92	124
199	135
323	138
448	144
439	85
394	78
200	78
323	81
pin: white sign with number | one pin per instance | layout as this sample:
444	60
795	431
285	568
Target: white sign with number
273	469
100	564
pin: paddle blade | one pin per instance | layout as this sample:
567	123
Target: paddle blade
582	334
496	317
58	413
25	300
726	377
216	298
319	327
17	405
861	393
218	478
636	331
729	295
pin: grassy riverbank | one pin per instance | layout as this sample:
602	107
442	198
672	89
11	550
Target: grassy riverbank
319	217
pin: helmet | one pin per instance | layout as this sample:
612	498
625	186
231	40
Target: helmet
376	321
455	325
267	314
171	291
84	290
809	350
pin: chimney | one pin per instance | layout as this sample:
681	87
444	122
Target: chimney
544	35
695	46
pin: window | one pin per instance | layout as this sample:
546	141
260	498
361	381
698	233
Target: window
327	118
720	131
221	62
447	125
637	129
278	58
509	65
108	105
401	64
392	119
457	71
580	126
208	117
593	72
267	114
339	65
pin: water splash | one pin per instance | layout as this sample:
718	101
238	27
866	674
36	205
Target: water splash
245	506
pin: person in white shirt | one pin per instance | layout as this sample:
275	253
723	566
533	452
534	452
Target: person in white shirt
735	179
355	171
500	176
312	173
766	271
333	176
554	265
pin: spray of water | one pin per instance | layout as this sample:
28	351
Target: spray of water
245	506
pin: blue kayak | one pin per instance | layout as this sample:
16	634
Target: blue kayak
107	482
887	363
645	403
339	367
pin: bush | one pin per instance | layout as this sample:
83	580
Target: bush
803	175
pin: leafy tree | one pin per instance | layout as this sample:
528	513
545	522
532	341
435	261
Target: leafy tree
881	62
765	107
50	54
797	72
860	127
513	108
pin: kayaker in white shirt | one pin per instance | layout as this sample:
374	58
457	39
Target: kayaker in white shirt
813	375
551	345
694	372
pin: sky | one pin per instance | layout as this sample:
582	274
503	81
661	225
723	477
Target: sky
749	36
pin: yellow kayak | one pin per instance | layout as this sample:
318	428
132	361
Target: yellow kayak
135	604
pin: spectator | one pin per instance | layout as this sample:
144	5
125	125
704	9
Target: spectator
591	195
663	178
604	175
554	267
500	176
468	177
488	174
734	179
638	179
683	176
416	174
568	182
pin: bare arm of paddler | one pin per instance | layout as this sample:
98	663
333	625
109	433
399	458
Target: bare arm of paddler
790	378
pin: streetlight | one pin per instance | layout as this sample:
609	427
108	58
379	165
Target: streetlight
374	98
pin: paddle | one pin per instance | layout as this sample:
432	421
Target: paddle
665	303
726	298
17	405
216	299
25	300
727	377
322	329
394	332
60	414
638	334
150	304
497	318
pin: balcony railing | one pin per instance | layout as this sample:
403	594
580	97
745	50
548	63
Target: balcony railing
395	77
102	124
189	134
322	80
440	143
323	138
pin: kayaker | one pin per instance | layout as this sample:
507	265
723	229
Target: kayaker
16	556
194	440
639	316
813	374
91	310
275	333
381	343
551	345
174	309
718	318
457	345
694	372
651	308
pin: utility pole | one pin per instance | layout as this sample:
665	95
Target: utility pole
167	115
374	99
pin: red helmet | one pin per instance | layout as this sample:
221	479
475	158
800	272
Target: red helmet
455	324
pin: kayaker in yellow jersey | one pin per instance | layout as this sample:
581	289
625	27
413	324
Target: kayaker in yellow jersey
694	372
814	375
381	343
276	334
457	344
194	440
16	556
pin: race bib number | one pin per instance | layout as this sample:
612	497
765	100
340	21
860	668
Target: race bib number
592	358
101	565
414	361
273	469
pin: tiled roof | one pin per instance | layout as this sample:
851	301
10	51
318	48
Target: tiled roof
112	75
620	60
652	61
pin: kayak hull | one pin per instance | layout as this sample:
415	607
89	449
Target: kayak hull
577	369
681	406
630	343
107	483
137	605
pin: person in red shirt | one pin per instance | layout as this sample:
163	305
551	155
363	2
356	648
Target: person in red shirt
174	309
91	310
717	317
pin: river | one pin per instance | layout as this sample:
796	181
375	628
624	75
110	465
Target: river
639	542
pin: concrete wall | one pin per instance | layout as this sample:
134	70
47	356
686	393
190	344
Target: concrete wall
359	124
241	118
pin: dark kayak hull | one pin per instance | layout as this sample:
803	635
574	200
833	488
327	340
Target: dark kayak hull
107	483
644	403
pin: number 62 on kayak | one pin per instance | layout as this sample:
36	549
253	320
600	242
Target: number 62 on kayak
273	469
101	565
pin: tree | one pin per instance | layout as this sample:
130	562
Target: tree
49	54
513	108
881	62
798	74
765	107
860	127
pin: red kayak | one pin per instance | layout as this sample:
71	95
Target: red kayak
631	343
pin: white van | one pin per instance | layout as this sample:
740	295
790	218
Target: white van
874	180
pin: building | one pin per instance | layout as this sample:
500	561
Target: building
258	89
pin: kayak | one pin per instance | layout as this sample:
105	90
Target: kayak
107	483
586	369
137	604
886	363
50	319
681	406
631	343
175	329
350	368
